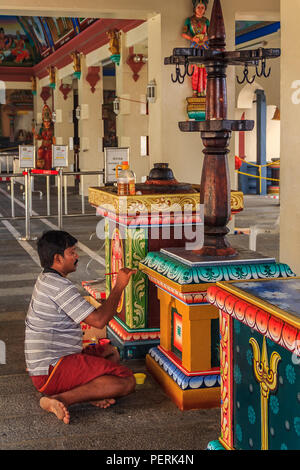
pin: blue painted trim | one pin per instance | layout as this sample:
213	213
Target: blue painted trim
48	33
109	72
76	25
184	381
258	33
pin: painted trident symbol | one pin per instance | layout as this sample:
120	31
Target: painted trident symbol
267	378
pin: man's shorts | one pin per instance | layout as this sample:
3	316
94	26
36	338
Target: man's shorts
77	369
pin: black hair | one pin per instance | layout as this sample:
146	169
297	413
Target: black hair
51	243
196	3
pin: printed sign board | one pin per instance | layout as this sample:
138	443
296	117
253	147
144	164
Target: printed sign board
27	156
114	156
59	156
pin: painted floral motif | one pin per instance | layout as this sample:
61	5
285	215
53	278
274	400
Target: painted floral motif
274	404
251	415
297	425
183	274
290	373
238	432
249	356
237	374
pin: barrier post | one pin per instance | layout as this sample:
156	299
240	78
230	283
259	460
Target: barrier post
48	193
82	193
12	195
66	194
59	198
27	207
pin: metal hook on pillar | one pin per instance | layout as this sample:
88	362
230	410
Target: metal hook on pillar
245	79
262	72
189	74
179	76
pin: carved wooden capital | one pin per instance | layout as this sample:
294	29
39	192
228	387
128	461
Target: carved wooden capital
93	77
65	89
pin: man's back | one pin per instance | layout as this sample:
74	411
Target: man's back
53	322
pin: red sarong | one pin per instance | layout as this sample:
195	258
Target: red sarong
77	369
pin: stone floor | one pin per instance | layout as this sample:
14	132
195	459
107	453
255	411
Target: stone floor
146	420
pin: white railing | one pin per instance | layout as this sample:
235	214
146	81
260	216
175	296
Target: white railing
62	195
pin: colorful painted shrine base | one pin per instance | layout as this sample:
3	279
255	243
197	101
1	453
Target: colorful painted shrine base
132	344
215	445
187	362
185	399
135	225
128	350
260	356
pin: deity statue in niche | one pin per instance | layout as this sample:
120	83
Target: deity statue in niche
195	30
117	261
46	135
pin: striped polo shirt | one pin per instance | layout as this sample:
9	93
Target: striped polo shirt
52	324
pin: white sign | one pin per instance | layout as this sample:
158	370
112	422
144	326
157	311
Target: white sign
114	156
27	156
59	156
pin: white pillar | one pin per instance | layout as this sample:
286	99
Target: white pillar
290	117
90	124
132	122
64	127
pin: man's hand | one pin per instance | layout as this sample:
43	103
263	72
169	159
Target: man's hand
123	277
103	314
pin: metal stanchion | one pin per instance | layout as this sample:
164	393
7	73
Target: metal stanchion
27	207
48	194
30	193
82	193
59	198
12	194
66	194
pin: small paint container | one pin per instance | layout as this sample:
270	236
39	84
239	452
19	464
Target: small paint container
140	378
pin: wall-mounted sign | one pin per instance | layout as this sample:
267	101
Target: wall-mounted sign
59	156
114	156
27	156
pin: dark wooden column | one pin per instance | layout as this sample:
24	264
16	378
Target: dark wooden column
216	130
215	181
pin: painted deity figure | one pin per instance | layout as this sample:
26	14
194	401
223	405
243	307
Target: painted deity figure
195	30
5	45
46	135
114	41
19	51
117	262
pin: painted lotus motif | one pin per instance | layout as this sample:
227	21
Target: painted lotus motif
275	328
279	331
289	335
262	319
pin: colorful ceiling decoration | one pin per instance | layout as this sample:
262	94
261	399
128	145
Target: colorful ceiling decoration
29	45
26	40
246	31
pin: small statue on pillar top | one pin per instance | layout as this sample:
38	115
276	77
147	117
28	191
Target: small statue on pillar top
195	30
114	45
46	135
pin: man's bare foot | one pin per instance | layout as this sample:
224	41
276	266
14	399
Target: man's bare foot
55	406
105	403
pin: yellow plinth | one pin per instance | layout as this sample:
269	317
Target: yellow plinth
196	336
